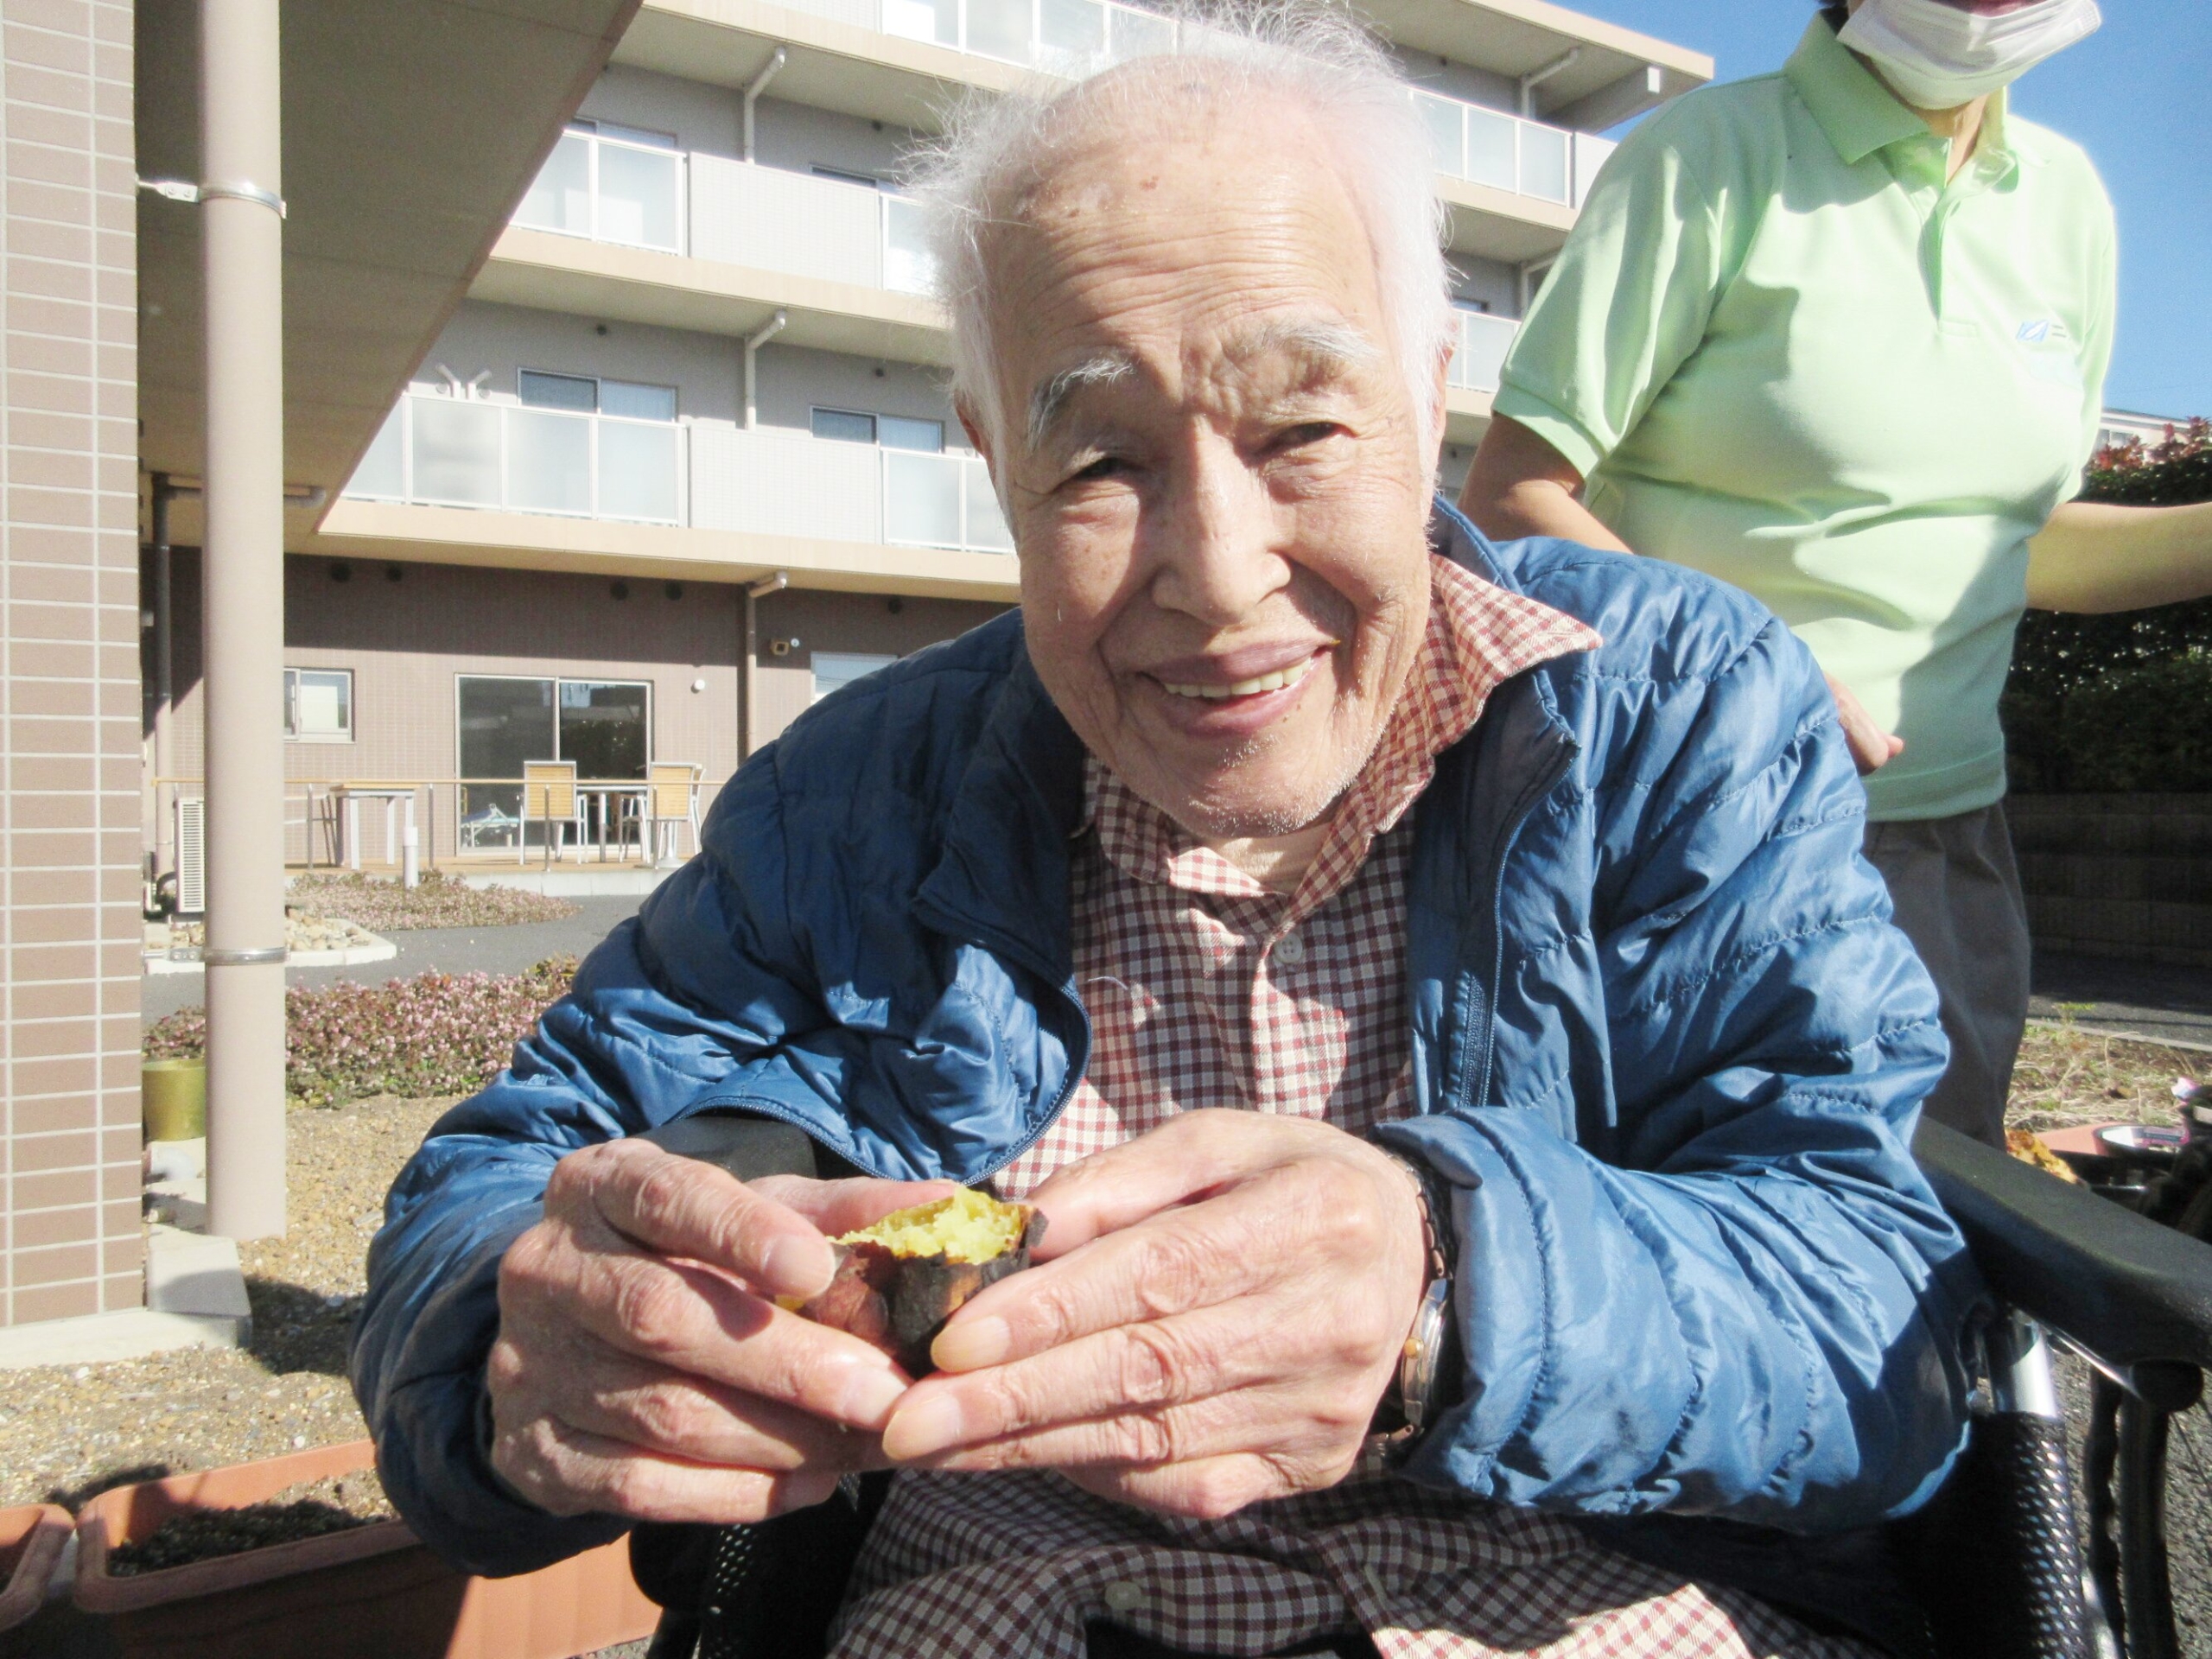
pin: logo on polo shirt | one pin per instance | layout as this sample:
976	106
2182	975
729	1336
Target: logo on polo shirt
2041	331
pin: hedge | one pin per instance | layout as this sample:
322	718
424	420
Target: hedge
2120	703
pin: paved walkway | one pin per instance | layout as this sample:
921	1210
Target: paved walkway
2146	998
453	950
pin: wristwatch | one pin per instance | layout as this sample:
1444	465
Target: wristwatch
1409	1406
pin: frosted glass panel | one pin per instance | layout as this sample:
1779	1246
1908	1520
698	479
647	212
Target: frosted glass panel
456	451
986	523
1441	116
560	197
1489	147
382	472
637	472
998	29
1072	32
907	267
1137	35
637	196
921	498
923	20
1543	162
548	461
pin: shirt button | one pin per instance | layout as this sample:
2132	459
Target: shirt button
1122	1597
1290	950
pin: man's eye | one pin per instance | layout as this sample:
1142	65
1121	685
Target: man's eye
1103	466
1306	432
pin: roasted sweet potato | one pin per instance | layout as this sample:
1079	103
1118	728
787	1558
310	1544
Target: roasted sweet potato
899	1281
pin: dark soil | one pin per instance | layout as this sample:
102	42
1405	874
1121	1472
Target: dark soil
334	1503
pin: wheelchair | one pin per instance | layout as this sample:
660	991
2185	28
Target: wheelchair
1991	1568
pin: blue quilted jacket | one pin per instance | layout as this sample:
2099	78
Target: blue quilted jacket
1667	1046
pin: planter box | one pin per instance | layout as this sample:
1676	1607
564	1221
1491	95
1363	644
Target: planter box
31	1539
371	1592
2117	875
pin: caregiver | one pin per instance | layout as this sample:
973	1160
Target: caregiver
1838	335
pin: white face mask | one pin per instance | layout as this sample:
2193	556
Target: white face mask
1937	57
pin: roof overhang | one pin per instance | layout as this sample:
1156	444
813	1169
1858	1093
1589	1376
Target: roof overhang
411	129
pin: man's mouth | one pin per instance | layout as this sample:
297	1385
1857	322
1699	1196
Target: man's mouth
1280	680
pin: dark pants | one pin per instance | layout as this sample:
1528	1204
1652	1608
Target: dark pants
1958	899
1106	1641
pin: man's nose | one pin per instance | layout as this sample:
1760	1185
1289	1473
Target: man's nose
1216	537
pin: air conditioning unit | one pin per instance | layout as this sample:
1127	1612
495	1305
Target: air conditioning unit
191	856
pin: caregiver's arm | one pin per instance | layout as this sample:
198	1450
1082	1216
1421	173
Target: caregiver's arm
2093	556
1518	485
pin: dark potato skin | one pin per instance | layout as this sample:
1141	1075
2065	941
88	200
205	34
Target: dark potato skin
899	1303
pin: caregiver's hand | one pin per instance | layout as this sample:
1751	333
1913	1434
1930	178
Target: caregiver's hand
643	1367
1872	748
1227	1298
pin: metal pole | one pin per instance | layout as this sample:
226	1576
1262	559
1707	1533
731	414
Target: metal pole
164	673
242	587
754	591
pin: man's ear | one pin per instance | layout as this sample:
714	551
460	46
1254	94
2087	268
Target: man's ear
973	426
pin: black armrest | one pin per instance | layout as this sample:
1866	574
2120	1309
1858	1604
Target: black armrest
748	1148
2130	1291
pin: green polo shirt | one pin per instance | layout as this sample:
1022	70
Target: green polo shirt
1781	349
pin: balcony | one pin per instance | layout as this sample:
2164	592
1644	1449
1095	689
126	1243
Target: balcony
439	451
608	190
1487	146
745	215
1484	342
789	483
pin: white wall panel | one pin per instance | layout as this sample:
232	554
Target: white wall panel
774	220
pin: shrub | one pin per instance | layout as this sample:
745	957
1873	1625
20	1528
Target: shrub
2134	670
440	902
433	1034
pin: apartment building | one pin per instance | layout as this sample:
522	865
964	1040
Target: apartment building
683	459
398	177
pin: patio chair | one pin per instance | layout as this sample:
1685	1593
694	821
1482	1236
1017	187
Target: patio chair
1991	1569
550	796
671	803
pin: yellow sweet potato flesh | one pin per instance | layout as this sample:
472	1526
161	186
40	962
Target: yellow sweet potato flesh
967	1227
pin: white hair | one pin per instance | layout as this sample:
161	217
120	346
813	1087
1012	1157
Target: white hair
995	151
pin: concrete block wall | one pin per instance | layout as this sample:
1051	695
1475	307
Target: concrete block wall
69	682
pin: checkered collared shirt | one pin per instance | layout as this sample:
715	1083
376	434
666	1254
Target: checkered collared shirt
1206	988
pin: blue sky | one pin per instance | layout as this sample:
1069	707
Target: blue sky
2134	95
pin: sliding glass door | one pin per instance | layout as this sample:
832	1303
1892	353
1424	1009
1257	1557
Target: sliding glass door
604	726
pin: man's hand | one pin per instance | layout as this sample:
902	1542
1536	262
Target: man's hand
1872	748
643	1367
1228	1298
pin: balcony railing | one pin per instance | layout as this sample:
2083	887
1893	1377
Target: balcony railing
610	190
456	451
1484	342
746	214
789	483
1487	146
453	452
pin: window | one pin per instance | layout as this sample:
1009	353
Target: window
604	726
626	134
865	181
842	425
319	705
835	669
891	431
637	400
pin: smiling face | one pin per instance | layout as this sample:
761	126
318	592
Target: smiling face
1211	462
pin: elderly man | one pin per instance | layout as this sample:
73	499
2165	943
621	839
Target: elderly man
1337	924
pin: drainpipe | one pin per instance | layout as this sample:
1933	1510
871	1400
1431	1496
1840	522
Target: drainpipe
1536	78
754	87
753	342
1531	274
754	593
242	607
